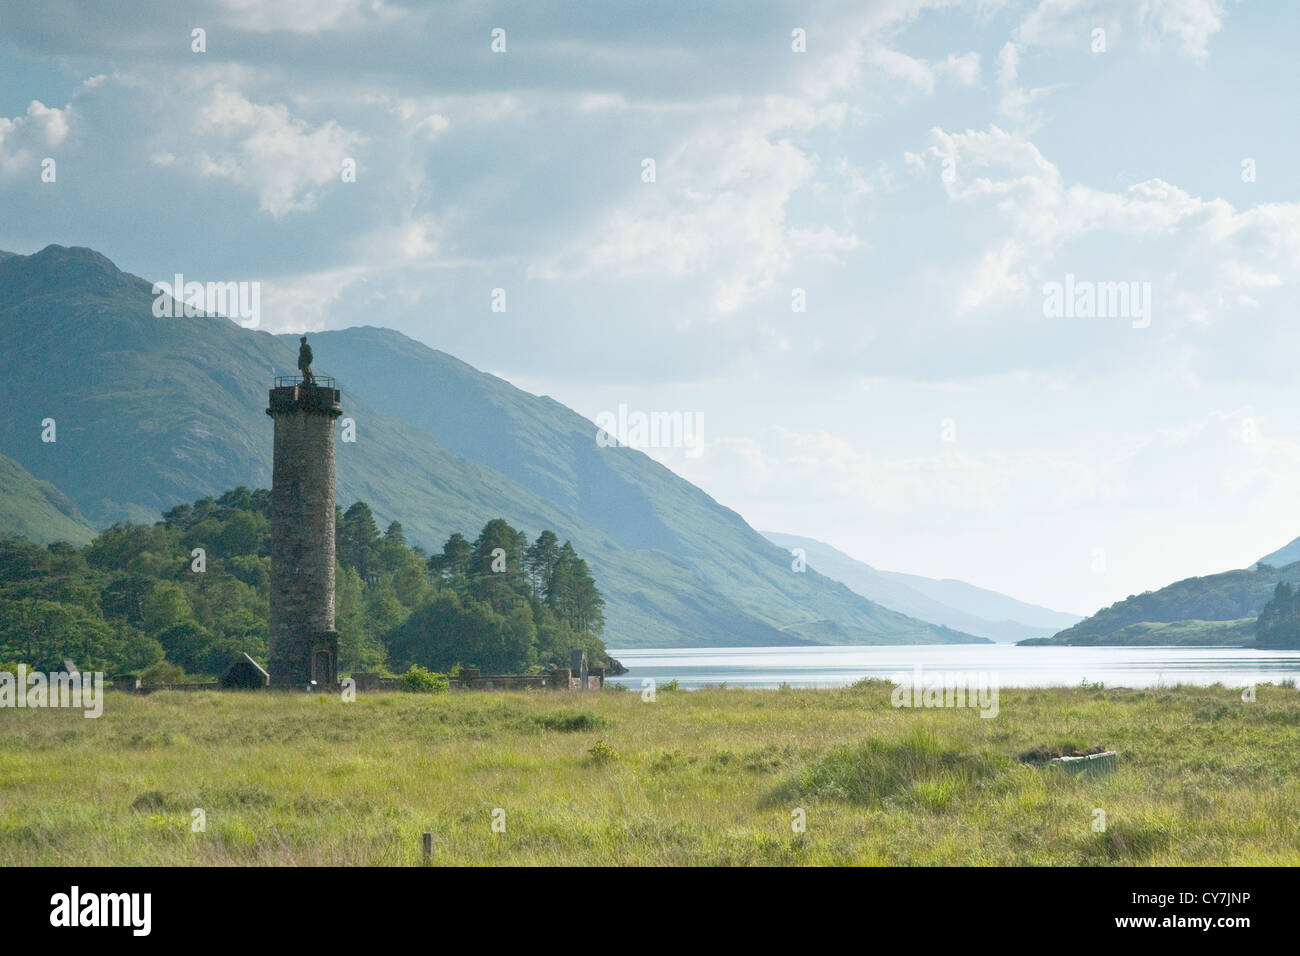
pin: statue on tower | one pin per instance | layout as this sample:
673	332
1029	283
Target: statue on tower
304	362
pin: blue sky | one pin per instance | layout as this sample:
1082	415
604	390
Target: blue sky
921	171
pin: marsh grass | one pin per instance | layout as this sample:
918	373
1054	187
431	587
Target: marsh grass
700	777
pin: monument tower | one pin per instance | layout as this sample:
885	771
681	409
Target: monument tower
304	647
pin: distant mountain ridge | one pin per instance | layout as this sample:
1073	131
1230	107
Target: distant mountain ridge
948	602
156	412
1213	609
1287	554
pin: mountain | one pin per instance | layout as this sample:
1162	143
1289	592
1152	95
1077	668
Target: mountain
1287	554
984	603
36	510
951	603
153	412
1215	609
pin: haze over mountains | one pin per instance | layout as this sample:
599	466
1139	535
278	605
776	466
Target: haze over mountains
1209	610
151	412
949	602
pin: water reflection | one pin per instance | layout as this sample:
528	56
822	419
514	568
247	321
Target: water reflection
1015	666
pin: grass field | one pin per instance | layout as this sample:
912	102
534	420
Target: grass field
701	777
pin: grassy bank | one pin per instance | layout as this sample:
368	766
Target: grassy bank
706	777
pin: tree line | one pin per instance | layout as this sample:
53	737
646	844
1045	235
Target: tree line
190	593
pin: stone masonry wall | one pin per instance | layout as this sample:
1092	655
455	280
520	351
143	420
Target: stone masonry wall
302	533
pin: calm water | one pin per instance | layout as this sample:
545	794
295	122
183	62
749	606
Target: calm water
1014	666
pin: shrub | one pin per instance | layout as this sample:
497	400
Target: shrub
869	683
602	752
421	680
164	672
916	766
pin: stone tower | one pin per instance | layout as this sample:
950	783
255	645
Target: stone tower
304	646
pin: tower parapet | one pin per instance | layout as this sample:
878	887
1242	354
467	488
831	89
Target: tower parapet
303	643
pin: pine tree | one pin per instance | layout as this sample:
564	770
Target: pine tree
496	569
539	562
454	560
573	595
358	540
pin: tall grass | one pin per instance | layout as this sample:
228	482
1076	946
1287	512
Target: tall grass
707	777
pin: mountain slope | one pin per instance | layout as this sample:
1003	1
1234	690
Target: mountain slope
1287	554
1212	610
983	603
639	504
923	598
36	510
154	412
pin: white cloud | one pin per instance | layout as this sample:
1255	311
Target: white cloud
302	303
965	69
718	207
1213	252
420	120
1067	26
921	74
1193	22
1016	101
26	140
994	277
900	66
280	157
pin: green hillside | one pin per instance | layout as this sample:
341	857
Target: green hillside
1240	633
36	510
155	412
1214	609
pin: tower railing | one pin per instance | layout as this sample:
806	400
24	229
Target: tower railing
288	381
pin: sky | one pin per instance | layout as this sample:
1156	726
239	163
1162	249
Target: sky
626	204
